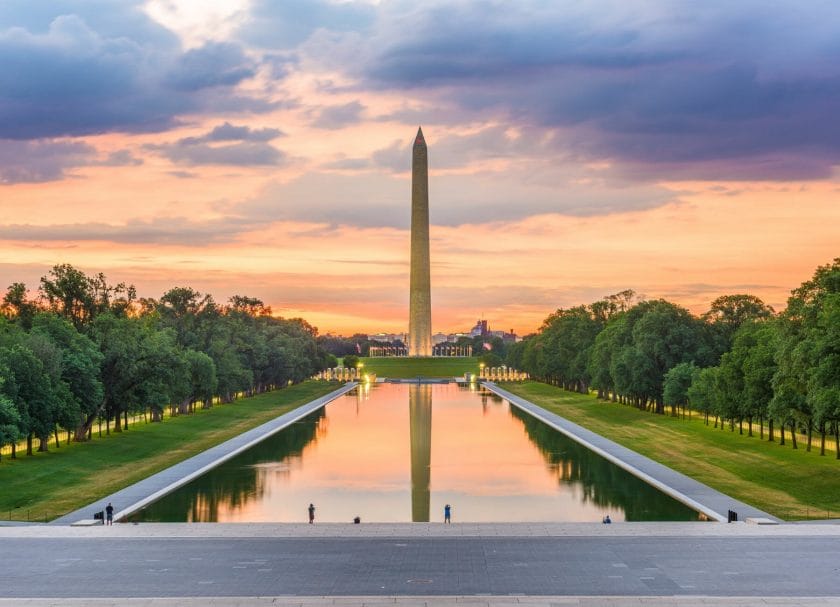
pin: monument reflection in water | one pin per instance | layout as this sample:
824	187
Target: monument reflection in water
380	454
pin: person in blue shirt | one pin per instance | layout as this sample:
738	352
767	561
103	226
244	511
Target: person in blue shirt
447	514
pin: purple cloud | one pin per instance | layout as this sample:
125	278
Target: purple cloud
225	144
71	79
743	91
37	161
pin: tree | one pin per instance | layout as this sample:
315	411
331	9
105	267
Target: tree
516	353
728	312
657	336
118	340
702	394
606	345
805	349
203	380
759	367
16	305
79	298
250	306
63	410
823	388
9	421
141	366
676	384
67	291
80	370
194	317
29	386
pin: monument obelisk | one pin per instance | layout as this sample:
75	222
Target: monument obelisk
420	297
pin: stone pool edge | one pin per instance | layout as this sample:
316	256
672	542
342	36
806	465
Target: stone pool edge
153	487
685	489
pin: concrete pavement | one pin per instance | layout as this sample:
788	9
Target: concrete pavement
325	562
433	601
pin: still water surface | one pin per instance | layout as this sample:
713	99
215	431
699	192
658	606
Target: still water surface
400	452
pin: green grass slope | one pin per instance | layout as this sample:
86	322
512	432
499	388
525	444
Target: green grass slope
402	368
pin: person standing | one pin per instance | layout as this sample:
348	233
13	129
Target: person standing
311	513
109	514
447	514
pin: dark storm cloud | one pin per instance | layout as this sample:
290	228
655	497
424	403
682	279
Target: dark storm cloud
123	19
83	72
225	144
746	90
283	25
214	64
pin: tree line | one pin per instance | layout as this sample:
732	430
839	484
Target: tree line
738	363
82	350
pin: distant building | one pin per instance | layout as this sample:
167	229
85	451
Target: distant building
480	329
439	338
387	338
506	336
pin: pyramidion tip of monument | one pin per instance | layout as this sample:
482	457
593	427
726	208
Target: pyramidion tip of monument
419	139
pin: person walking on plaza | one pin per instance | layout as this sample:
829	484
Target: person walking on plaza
109	514
311	513
447	514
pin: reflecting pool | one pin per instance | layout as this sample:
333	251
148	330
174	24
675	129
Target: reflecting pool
401	452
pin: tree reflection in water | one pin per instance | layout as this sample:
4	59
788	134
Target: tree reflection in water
602	482
240	480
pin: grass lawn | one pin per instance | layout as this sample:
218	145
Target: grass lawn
48	485
791	484
398	367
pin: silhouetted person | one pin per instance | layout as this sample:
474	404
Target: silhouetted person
607	520
311	513
109	514
447	514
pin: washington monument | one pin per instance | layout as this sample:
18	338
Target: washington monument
420	297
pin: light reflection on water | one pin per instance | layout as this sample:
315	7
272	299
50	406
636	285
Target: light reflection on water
400	452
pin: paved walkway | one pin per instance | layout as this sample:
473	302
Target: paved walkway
433	601
341	531
693	493
140	494
494	570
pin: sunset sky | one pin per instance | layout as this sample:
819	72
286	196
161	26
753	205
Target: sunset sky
682	149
